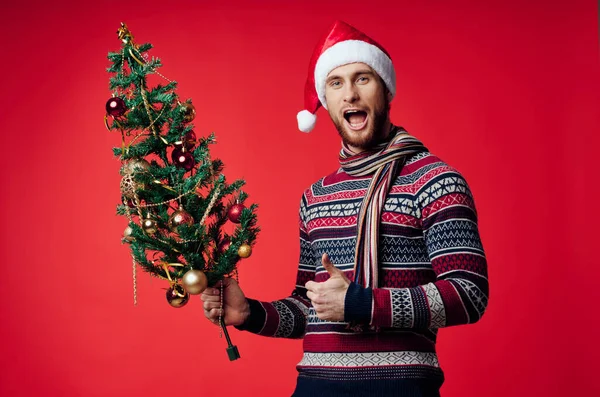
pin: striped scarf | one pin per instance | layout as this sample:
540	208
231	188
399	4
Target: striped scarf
385	161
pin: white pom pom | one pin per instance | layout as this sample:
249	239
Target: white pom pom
306	121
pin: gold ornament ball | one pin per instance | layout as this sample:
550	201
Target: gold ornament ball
127	234
194	282
244	251
177	297
129	186
135	165
149	225
180	217
189	112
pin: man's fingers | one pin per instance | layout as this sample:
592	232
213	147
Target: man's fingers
211	318
330	267
213	313
212	305
210	298
315	299
210	292
311	285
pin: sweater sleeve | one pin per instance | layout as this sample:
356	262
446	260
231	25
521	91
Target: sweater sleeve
286	318
459	294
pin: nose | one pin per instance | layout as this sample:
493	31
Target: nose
350	94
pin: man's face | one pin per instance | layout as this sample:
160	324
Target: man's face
358	104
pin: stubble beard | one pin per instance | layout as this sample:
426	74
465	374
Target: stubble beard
372	136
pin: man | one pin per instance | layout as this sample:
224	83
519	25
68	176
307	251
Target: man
389	244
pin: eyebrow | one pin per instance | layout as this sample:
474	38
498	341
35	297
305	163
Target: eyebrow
335	76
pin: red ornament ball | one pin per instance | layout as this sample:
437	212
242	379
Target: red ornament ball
182	158
235	212
188	141
224	246
130	203
116	107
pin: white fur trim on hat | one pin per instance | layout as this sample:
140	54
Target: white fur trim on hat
351	51
306	121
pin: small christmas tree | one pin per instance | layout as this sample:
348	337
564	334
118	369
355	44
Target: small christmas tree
175	197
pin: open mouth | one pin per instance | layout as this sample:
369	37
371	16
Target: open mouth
355	118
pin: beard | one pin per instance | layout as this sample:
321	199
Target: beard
370	137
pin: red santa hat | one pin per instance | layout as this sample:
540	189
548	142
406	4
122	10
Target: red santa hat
343	45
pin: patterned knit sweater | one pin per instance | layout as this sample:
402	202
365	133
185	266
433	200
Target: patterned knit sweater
433	274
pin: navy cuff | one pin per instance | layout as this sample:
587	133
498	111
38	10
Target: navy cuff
256	319
358	303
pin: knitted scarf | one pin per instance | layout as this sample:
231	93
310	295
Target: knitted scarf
385	162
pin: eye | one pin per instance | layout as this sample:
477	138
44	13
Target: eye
363	79
335	84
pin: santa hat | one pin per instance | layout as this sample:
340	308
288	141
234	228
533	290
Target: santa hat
343	45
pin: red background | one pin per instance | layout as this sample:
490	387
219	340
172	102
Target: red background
507	92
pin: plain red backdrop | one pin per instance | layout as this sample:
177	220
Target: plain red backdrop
505	91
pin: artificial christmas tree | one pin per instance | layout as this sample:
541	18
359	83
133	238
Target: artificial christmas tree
176	198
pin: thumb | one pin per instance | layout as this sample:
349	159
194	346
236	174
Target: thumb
330	267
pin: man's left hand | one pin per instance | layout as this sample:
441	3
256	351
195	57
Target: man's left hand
328	297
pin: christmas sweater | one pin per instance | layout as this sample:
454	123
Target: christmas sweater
432	274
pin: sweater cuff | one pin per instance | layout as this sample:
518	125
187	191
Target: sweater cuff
357	304
256	320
